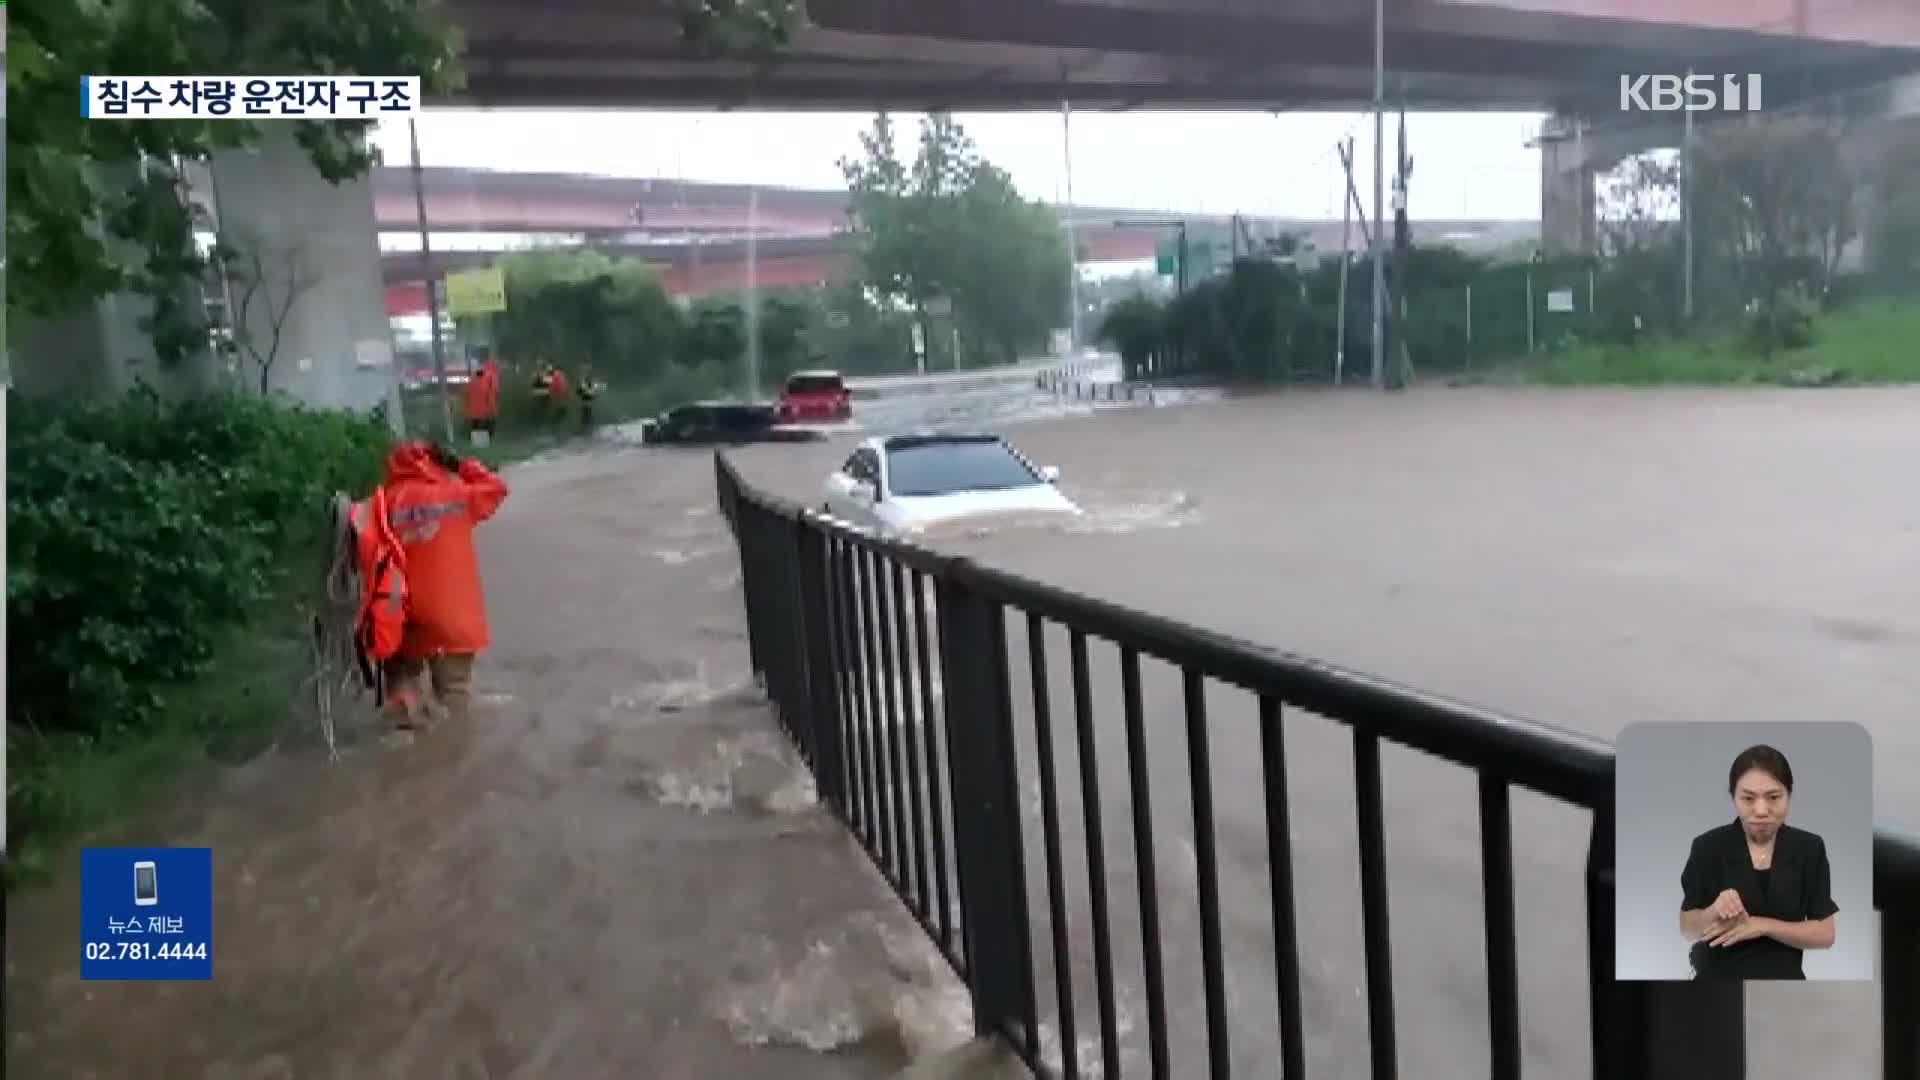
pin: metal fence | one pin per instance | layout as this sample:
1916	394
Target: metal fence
890	669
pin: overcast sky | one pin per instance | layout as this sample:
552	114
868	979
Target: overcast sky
1466	165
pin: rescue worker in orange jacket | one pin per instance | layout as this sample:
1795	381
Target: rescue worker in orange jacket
434	499
483	398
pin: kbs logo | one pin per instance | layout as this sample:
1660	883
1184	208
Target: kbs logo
1690	93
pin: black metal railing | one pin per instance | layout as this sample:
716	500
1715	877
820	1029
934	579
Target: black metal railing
890	669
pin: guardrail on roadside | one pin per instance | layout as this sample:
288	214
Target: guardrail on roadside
1066	383
888	666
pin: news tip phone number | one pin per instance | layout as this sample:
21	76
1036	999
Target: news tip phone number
146	950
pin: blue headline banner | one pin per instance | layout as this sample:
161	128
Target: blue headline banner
146	913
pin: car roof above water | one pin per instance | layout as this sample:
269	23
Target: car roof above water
909	442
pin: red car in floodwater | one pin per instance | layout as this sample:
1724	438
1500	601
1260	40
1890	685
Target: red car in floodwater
815	397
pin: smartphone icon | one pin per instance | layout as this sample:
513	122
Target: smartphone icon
146	887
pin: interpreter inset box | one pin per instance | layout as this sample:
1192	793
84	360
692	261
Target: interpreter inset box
1744	851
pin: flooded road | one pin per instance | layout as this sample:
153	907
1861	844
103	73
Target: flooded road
617	869
1588	559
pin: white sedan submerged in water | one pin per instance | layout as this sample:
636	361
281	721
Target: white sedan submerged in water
905	484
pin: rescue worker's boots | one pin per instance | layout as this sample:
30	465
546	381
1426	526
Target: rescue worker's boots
453	683
404	710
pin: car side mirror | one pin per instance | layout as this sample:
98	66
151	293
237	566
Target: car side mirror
1050	473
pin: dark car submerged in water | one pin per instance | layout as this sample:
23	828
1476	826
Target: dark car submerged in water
720	423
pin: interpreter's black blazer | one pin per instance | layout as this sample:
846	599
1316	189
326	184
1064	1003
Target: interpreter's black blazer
1798	887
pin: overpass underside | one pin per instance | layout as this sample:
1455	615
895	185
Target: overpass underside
1547	55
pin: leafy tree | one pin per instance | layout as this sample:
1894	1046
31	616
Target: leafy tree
716	334
569	307
1893	245
952	225
1774	200
754	28
96	208
1135	327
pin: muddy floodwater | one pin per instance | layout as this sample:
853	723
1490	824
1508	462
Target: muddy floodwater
1588	559
618	870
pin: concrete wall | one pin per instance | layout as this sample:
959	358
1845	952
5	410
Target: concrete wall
319	240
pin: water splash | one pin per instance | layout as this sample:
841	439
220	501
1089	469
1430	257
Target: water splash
683	556
871	978
813	1004
713	784
1124	515
672	693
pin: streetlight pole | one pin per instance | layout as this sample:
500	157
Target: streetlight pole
1686	215
1379	193
1073	243
427	279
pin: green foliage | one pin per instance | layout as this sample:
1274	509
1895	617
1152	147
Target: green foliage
140	533
137	529
716	333
1893	244
759	29
1135	327
574	307
949	224
97	208
1774	209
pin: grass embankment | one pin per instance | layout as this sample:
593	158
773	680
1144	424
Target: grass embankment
159	557
1873	344
226	717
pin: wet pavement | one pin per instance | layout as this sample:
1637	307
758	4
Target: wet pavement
1588	559
616	869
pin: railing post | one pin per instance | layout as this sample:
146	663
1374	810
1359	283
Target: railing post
986	810
1653	1030
1899	993
822	685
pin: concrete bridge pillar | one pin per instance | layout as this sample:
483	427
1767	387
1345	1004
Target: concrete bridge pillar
1567	212
318	252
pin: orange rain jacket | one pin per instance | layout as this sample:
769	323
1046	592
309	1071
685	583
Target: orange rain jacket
483	393
381	620
433	512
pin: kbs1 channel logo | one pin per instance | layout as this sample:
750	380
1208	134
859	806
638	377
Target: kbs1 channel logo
1691	93
248	97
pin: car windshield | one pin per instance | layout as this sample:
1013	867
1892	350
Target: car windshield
943	468
814	384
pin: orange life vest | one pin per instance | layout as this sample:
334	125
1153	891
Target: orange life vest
382	620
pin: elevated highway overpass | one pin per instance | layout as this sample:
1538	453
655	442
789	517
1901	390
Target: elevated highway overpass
1549	55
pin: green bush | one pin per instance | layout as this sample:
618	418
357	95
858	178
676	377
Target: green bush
140	530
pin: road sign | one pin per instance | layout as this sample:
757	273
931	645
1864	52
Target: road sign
940	305
476	292
1166	258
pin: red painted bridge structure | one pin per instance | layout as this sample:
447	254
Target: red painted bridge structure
694	233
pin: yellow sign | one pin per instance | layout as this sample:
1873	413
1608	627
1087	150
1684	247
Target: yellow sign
476	292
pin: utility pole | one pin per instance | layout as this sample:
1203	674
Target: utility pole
1073	243
1686	215
1379	193
427	278
1346	260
